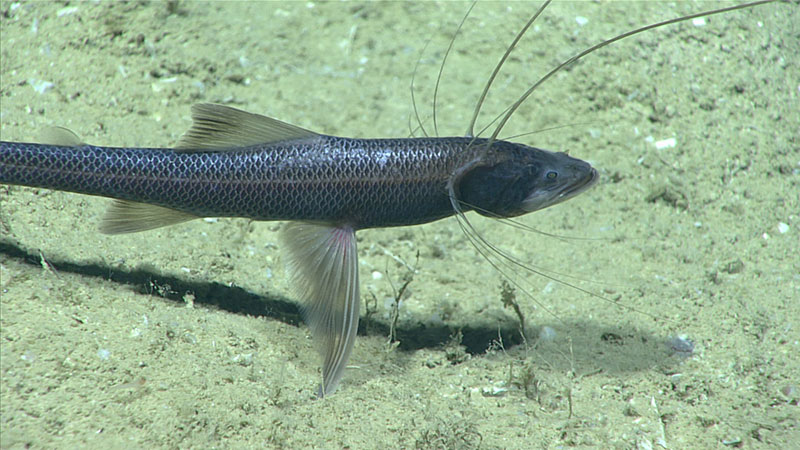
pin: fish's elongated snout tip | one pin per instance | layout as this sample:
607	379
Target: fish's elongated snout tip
588	181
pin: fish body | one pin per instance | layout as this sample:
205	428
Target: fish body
365	183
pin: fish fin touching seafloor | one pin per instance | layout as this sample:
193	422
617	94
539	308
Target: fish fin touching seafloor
220	128
323	270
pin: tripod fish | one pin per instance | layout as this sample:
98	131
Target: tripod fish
236	164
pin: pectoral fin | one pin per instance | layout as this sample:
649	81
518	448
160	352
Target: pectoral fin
323	268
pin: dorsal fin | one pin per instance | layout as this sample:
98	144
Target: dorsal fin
60	136
217	127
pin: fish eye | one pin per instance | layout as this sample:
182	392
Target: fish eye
551	175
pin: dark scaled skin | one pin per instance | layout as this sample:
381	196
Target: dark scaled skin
362	183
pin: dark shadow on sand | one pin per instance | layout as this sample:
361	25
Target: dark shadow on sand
588	346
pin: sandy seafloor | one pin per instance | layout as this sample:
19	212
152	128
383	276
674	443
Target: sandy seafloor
187	337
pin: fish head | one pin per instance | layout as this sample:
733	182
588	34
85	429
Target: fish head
514	179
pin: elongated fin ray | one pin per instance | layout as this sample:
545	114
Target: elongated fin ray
323	270
568	62
129	217
441	68
217	127
496	70
419	126
507	264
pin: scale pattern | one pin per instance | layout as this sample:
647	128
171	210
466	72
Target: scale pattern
359	182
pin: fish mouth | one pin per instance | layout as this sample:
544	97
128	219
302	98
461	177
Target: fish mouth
583	185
